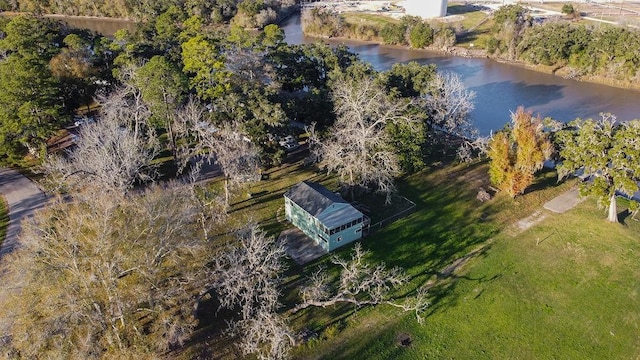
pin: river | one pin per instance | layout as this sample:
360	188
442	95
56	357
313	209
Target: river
500	88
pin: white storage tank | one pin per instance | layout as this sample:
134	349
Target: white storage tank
425	8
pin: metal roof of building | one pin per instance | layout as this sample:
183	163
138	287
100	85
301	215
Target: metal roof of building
329	208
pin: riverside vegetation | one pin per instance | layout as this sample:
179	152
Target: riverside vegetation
600	53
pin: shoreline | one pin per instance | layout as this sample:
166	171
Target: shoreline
75	17
464	52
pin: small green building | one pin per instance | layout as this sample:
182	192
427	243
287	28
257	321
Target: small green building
323	216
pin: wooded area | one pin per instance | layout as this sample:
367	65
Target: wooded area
169	99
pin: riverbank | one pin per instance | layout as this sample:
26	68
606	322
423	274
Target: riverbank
466	52
568	74
106	26
65	17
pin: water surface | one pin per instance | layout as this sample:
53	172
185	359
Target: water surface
500	88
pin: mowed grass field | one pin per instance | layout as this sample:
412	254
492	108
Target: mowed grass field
566	288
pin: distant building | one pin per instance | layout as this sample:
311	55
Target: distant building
323	216
425	8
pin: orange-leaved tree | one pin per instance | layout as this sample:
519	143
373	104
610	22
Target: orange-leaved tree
518	152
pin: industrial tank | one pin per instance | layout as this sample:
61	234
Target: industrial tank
425	8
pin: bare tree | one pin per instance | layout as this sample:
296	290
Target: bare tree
236	155
358	147
470	149
249	271
359	284
106	276
125	104
249	67
265	334
248	276
449	103
108	155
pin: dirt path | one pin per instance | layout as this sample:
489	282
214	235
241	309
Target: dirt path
565	201
23	198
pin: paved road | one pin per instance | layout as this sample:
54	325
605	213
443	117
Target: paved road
23	198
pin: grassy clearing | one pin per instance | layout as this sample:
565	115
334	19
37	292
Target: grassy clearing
476	24
378	21
565	288
4	219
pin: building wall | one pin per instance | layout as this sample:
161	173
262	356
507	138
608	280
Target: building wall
305	222
346	236
425	8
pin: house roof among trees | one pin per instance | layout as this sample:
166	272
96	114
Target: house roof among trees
313	197
316	200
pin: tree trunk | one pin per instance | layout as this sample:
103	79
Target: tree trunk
613	211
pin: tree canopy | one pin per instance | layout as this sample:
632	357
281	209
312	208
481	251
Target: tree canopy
607	152
358	147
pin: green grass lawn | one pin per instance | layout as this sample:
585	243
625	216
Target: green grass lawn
4	219
565	288
378	21
266	206
474	25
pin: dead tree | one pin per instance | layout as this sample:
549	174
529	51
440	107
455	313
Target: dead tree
106	275
359	284
111	153
248	275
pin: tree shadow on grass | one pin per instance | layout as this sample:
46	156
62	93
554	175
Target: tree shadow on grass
4	219
545	179
445	225
460	9
210	339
